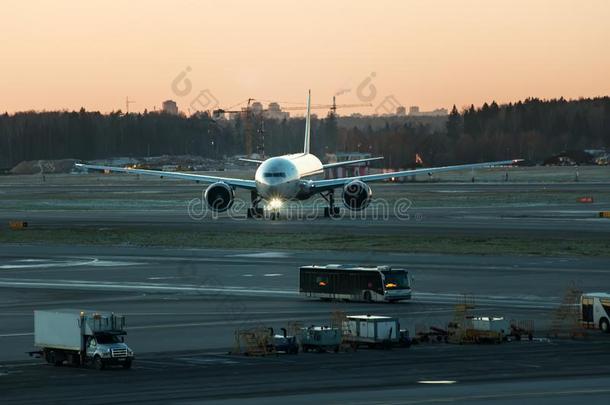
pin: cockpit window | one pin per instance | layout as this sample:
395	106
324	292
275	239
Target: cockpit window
274	174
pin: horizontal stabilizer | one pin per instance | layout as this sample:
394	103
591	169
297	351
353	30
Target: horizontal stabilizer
251	160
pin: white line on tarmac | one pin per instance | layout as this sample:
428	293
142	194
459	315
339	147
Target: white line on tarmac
438	298
63	263
17	334
124	260
236	314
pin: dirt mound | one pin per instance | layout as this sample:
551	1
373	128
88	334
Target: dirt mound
44	166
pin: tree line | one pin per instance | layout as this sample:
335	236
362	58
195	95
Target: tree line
532	129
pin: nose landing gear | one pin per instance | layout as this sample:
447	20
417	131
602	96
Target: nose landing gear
258	212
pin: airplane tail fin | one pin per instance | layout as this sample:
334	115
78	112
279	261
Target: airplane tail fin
308	125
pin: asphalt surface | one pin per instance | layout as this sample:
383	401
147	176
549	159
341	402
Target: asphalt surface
525	372
184	305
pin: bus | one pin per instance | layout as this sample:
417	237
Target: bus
355	283
595	311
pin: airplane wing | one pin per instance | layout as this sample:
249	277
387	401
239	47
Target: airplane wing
350	162
322	185
239	183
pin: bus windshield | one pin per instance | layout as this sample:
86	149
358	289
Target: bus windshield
396	280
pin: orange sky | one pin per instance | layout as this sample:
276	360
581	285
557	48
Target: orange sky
67	54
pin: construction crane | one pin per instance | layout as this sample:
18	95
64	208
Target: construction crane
127	102
248	115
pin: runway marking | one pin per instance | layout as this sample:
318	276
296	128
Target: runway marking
48	264
319	315
216	323
406	260
533	394
17	334
206	362
426	297
264	255
19	365
272	275
51	263
127	286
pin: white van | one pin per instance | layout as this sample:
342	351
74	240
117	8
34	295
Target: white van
595	311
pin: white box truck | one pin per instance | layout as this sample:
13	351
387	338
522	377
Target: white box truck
491	324
595	310
81	338
371	330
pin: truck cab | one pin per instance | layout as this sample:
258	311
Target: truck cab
108	349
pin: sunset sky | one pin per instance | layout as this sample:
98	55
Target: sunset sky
67	54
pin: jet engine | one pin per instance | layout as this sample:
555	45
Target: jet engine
219	196
357	195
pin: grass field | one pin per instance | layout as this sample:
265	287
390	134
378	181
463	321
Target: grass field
355	242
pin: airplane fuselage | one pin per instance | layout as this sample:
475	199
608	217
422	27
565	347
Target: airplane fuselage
285	177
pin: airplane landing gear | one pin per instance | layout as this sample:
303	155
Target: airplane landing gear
255	211
331	211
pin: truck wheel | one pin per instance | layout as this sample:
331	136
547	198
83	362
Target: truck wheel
604	325
53	359
98	363
127	365
367	296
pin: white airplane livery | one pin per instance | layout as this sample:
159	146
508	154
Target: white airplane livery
294	177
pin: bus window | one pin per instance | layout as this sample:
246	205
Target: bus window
395	280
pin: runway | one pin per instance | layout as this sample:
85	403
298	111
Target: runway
184	304
494	209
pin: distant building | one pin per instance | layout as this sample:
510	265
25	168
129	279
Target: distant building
401	111
170	107
437	112
415	112
274	112
256	108
357	169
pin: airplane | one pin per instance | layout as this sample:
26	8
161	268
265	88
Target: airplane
292	177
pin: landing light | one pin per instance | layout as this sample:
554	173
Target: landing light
275	204
436	382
